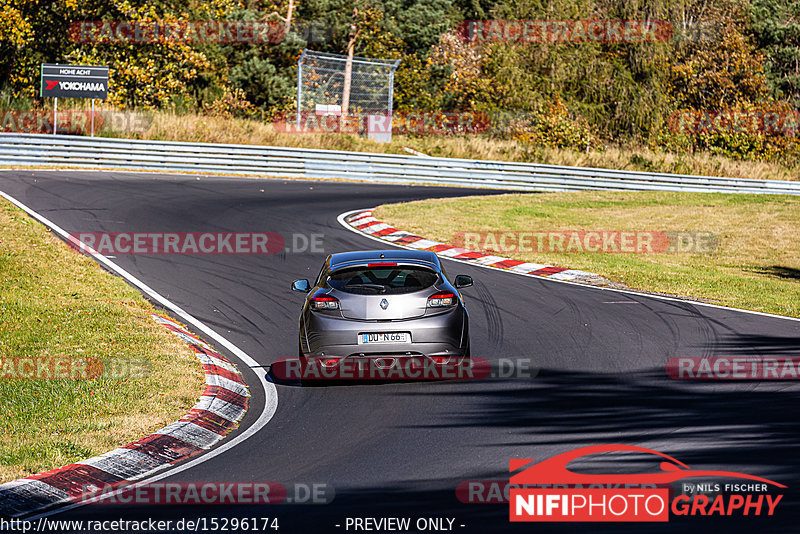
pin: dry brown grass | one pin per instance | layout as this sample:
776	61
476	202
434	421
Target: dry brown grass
211	129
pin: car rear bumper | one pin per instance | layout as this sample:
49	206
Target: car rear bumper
444	334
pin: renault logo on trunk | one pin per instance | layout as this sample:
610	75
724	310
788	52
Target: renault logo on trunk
384	303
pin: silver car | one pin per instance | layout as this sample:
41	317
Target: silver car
383	305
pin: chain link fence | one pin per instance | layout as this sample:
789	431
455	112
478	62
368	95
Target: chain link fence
325	87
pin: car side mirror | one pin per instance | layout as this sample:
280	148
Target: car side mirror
301	285
462	280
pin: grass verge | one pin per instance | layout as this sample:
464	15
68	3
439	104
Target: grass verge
755	265
56	304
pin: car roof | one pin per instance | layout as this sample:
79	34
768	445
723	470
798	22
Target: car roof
341	259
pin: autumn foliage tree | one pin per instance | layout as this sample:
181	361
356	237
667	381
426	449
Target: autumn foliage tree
722	56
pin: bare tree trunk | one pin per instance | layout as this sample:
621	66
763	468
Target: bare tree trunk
348	69
289	17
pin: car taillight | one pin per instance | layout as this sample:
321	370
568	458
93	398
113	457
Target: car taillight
325	302
441	300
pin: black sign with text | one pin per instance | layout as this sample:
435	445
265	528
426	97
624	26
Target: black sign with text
74	81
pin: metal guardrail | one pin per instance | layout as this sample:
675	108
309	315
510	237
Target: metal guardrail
127	154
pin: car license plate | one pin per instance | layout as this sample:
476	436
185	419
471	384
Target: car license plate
384	337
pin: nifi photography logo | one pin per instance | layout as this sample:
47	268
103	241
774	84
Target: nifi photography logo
549	491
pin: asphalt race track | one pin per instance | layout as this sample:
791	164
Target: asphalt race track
400	449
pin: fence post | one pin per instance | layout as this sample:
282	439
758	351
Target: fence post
299	86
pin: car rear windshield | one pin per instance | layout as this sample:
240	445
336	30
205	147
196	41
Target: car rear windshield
382	280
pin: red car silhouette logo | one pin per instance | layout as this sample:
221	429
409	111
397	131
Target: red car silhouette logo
554	470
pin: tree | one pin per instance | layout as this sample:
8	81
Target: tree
146	74
776	28
724	70
266	73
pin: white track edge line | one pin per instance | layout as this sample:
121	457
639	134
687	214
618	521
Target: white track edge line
341	218
270	392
